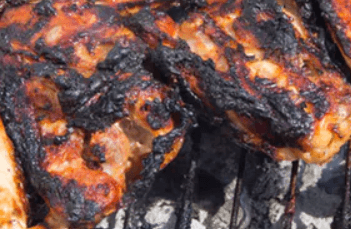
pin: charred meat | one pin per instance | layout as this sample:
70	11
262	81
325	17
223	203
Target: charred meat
80	107
13	204
91	90
337	16
257	64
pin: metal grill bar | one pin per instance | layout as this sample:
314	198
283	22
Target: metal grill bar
126	217
342	218
290	207
185	212
346	203
112	220
237	191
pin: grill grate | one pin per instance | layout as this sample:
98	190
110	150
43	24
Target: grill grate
196	192
342	217
185	212
238	187
290	207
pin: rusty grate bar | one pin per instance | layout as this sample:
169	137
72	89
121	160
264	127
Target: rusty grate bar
236	202
290	206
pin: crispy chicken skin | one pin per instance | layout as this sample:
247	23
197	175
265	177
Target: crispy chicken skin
255	63
338	18
80	107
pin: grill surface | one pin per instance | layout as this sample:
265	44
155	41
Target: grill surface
200	184
264	193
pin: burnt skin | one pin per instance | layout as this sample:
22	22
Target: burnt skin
71	91
67	195
226	56
224	95
75	201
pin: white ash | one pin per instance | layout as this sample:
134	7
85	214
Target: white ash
162	215
314	209
263	198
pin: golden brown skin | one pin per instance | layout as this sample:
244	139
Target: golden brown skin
13	204
85	111
268	77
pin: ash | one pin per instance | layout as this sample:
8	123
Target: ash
264	192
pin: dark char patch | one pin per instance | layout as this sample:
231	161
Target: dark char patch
45	8
273	34
287	122
20	124
56	54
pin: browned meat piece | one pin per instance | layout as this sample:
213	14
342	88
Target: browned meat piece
338	17
13	204
256	64
81	109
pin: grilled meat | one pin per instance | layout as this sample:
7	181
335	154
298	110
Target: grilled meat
80	107
13	204
83	102
257	64
337	15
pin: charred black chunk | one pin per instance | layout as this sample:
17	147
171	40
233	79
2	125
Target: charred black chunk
42	69
177	13
55	54
143	19
159	114
127	59
273	34
4	40
14	32
77	98
332	19
143	24
98	151
287	122
106	14
21	127
16	2
161	145
193	3
77	208
317	98
45	8
77	90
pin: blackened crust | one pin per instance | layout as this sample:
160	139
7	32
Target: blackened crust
23	130
274	34
287	122
45	8
339	26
